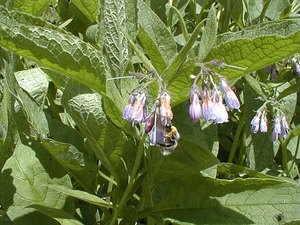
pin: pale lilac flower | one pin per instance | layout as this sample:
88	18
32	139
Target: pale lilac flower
264	122
135	110
255	122
165	111
284	127
195	108
208	106
221	113
128	108
295	67
230	98
276	129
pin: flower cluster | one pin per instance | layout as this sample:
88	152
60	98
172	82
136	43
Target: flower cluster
260	123
158	123
208	102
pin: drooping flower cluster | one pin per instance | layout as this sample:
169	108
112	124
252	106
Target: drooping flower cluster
260	123
158	123
208	102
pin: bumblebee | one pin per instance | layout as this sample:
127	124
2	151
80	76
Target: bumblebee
171	138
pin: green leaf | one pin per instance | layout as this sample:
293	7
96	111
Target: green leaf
155	38
256	47
76	162
32	7
60	216
170	73
55	50
25	178
115	42
82	195
35	83
212	201
88	7
209	35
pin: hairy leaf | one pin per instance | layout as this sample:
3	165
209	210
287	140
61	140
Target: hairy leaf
24	181
82	195
212	201
115	42
32	7
56	50
155	37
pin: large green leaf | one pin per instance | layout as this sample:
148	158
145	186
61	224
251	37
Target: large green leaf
59	215
115	42
35	83
256	47
32	7
61	52
209	35
88	7
76	162
82	195
24	181
155	38
197	200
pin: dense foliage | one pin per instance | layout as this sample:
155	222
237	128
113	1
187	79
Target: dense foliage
70	154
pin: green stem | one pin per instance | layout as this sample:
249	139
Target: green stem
236	139
284	158
132	180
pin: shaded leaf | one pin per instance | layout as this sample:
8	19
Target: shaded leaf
82	195
24	181
198	200
32	7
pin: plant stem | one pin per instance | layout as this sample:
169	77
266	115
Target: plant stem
132	180
236	139
284	158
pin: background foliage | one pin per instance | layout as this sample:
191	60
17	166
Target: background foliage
68	157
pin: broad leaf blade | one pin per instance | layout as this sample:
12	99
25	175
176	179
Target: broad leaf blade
76	162
209	35
32	7
24	181
60	216
115	42
156	39
82	195
213	201
56	50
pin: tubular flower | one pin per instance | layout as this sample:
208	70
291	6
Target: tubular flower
208	106
221	113
230	98
276	129
195	108
264	122
135	110
284	127
165	111
255	122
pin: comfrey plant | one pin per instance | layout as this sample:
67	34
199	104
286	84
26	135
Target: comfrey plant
207	101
